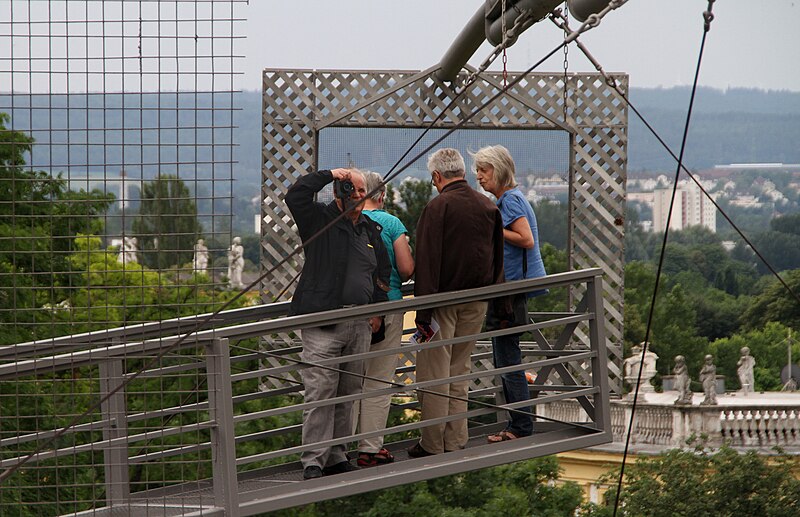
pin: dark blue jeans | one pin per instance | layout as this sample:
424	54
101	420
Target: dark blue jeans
506	352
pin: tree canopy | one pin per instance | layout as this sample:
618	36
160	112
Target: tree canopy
166	226
414	194
701	482
39	217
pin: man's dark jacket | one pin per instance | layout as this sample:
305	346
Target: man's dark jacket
322	280
459	244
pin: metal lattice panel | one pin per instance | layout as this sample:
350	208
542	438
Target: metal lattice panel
297	104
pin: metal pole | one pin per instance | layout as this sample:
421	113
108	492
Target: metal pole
463	47
115	426
597	339
220	408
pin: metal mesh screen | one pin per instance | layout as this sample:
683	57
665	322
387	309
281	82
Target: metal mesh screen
116	158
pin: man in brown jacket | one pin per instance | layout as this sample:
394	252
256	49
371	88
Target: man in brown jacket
459	246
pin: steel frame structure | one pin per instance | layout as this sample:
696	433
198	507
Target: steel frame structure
298	104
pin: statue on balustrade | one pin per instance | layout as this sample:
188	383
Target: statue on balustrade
200	260
745	371
235	264
631	368
708	376
128	250
682	382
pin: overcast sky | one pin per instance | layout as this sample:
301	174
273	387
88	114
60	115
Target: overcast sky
752	43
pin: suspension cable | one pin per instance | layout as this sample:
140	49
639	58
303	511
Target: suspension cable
591	22
504	41
707	17
611	81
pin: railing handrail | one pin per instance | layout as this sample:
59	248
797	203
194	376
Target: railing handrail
67	358
138	331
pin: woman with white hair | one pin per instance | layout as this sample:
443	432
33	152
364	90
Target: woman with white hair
522	259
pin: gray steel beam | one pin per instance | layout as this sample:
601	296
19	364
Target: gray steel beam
582	9
479	28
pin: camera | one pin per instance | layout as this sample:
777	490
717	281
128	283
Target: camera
343	189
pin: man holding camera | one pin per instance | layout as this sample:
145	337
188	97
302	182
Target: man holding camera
346	265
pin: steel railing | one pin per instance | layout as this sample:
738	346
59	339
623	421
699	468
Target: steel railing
161	419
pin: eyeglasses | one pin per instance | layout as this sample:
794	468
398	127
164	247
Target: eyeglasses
433	177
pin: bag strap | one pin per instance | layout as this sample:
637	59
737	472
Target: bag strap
524	263
524	251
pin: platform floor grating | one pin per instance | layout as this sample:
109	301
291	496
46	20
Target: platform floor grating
283	486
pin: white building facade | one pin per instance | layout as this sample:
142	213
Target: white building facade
691	208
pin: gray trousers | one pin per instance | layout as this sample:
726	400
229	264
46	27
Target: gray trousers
331	421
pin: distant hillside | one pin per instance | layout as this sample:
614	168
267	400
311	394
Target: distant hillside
737	125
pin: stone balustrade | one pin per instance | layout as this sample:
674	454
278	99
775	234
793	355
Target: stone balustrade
759	420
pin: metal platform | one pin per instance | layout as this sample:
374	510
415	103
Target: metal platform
283	486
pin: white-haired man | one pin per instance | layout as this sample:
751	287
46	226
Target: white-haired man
459	246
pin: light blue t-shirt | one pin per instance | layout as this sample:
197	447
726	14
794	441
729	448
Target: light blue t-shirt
513	205
392	229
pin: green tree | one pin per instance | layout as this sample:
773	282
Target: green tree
640	279
768	345
789	223
551	218
39	217
107	295
414	195
781	250
775	303
555	261
166	226
699	482
674	330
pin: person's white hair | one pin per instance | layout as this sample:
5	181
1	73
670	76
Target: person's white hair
501	161
374	181
448	162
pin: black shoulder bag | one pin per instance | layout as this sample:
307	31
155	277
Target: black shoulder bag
509	311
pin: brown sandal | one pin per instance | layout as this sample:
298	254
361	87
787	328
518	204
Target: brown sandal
502	436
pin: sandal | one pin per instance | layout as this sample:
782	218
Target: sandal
502	436
372	459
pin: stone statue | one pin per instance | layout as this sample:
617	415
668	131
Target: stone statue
631	370
200	261
745	371
235	264
682	382
708	376
127	253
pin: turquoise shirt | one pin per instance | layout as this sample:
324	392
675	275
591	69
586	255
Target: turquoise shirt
392	229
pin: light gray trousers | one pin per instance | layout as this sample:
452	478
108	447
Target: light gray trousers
331	421
371	414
